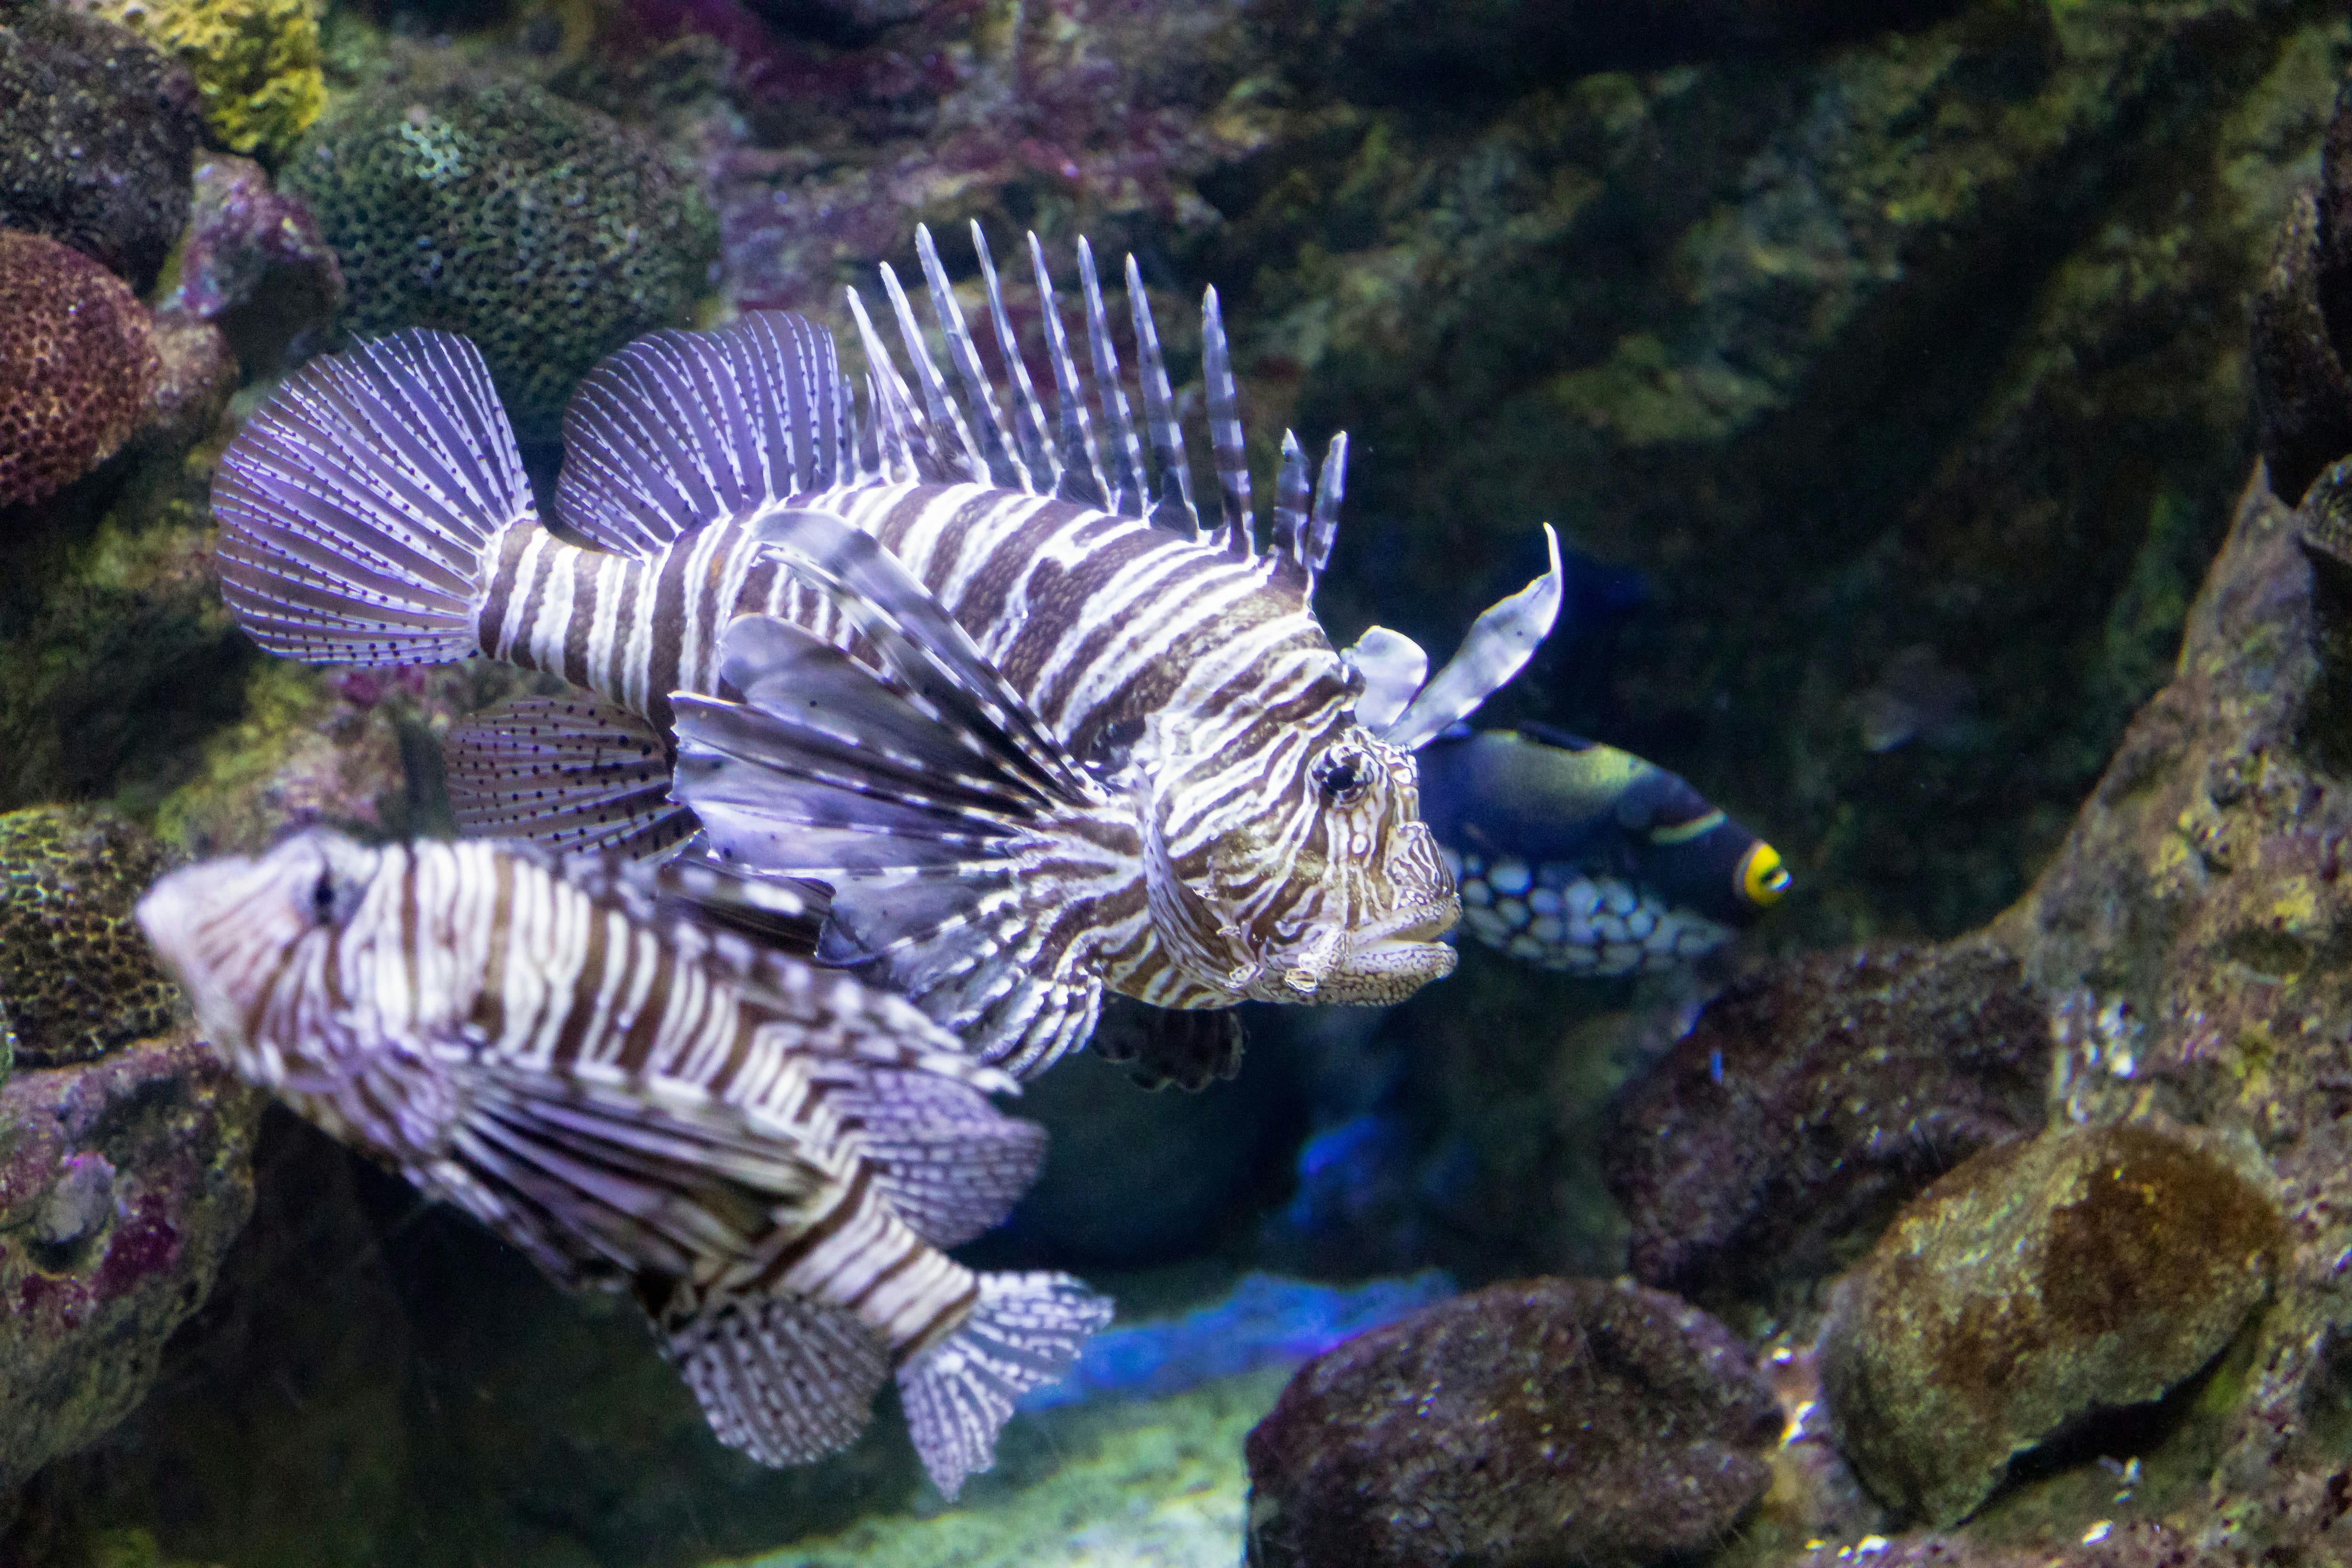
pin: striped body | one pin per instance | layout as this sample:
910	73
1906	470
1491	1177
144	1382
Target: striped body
467	952
1134	645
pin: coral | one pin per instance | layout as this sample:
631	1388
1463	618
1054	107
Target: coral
254	262
2092	1267
121	1186
256	63
78	361
541	229
96	132
77	975
1539	1422
1810	1100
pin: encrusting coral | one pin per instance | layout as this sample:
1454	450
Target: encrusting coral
77	975
542	230
77	363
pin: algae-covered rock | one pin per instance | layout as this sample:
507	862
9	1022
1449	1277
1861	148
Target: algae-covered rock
541	229
1812	1099
78	977
2091	1269
256	63
121	1185
1540	1422
96	132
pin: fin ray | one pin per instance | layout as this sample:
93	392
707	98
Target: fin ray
569	772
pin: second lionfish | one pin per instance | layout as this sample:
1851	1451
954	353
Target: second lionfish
1090	741
768	1156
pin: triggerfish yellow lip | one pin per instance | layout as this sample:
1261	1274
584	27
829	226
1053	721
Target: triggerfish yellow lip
1761	877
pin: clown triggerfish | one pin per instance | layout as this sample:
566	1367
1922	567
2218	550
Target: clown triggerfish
1580	856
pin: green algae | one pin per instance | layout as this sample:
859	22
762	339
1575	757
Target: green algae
1142	1486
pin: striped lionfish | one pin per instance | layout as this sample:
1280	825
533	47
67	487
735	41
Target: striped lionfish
1113	747
1578	856
771	1155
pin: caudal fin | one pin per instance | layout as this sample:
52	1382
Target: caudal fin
360	509
1026	1333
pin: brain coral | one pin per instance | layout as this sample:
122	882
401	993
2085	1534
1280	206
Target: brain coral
542	230
96	134
78	976
77	363
256	63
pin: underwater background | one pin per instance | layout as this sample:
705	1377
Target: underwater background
1940	406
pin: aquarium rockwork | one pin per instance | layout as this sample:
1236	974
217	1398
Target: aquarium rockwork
1149	784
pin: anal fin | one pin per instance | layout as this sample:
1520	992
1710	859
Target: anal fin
786	1379
569	772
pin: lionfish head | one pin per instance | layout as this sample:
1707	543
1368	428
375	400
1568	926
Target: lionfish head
246	938
1300	869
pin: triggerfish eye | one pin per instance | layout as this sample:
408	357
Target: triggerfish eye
1762	877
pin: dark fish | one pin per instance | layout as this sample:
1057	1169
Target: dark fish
1203	801
1580	856
772	1157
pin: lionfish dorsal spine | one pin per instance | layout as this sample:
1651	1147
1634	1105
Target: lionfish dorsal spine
1005	469
1125	453
1323	527
1173	507
945	413
1082	472
1226	441
1288	545
903	451
1028	414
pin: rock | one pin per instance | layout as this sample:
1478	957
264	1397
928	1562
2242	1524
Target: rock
254	263
121	1186
195	376
77	363
96	132
255	62
2302	396
1540	1422
77	974
1810	1100
541	229
2089	1270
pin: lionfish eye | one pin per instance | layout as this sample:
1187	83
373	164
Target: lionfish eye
1341	777
323	899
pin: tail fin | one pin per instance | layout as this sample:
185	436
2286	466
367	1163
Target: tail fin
360	509
1026	1333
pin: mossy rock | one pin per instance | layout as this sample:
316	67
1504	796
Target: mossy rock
543	230
2040	1282
77	975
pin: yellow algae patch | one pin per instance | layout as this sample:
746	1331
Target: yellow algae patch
256	63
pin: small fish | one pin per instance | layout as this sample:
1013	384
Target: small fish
1209	802
1576	855
771	1156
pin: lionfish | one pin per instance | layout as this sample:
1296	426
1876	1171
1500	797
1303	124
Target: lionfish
1578	856
771	1156
1107	746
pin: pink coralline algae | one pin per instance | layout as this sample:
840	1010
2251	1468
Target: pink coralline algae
1109	107
254	261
